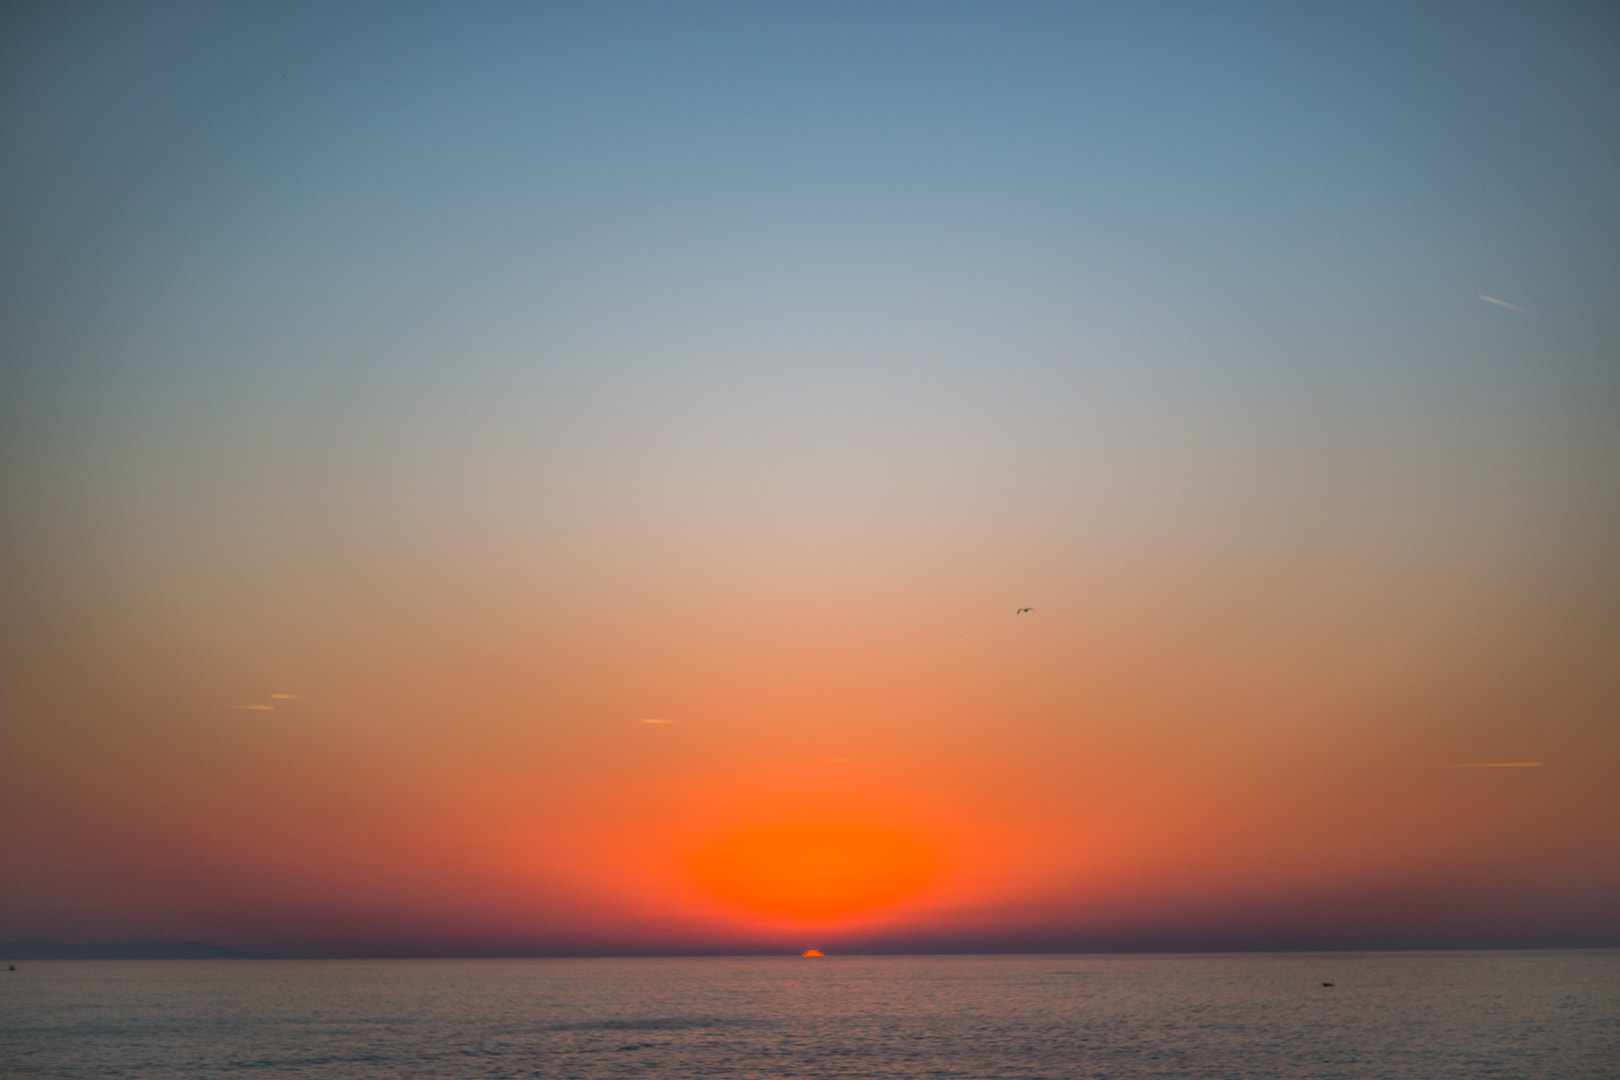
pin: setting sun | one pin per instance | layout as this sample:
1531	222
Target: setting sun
816	870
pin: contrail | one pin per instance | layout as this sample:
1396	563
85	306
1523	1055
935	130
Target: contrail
1499	303
1496	765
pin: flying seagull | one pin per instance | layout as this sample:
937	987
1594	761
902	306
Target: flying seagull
1021	610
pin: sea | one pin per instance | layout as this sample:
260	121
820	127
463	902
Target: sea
1301	1016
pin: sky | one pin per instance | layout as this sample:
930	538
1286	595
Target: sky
742	477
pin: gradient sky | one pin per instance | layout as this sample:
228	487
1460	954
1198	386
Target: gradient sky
402	405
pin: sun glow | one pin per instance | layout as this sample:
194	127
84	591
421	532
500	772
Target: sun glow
815	870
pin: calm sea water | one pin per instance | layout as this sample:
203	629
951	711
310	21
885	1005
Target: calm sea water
1424	1016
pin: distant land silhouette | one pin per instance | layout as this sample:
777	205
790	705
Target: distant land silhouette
143	950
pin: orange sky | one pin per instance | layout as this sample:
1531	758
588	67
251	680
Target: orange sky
932	766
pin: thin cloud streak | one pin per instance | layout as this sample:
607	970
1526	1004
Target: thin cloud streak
256	708
1499	303
1496	765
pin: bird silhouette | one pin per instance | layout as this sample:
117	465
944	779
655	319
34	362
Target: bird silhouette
1021	610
